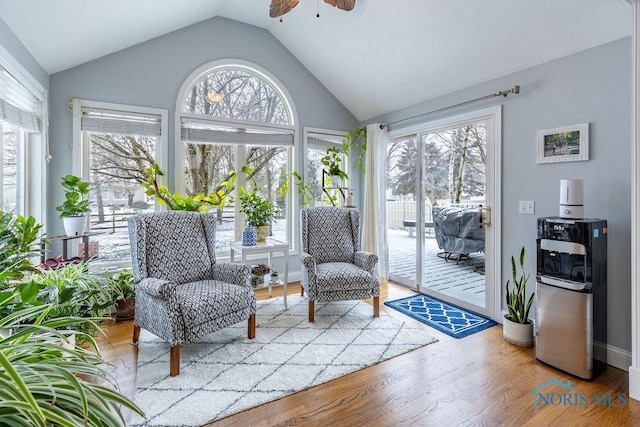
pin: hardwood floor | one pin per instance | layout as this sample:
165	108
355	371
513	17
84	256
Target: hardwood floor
477	380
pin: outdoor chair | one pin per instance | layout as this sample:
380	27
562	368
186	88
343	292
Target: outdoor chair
333	266
182	294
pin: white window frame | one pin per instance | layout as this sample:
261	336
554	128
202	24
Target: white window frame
80	144
493	118
346	160
293	204
32	171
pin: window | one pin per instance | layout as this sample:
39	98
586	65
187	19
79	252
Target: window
10	135
21	130
317	143
231	115
116	143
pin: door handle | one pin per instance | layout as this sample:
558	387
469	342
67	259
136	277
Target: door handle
484	216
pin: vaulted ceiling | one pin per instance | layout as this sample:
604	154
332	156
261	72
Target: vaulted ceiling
382	56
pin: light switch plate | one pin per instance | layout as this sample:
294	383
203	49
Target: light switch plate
527	207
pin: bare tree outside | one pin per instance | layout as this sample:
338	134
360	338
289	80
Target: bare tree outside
212	145
117	166
454	162
9	168
235	94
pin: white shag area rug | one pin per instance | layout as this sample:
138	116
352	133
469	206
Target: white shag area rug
225	372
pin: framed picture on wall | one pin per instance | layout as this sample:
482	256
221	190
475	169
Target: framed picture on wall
564	144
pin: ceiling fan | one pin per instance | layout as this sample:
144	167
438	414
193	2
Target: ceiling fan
280	7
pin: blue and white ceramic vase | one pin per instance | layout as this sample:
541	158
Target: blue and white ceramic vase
249	236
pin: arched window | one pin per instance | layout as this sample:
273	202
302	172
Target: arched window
232	92
232	113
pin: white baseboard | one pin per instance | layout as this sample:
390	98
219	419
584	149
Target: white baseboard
614	356
634	383
294	276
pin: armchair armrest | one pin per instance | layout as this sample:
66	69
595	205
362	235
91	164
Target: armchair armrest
158	288
308	261
308	270
365	260
229	272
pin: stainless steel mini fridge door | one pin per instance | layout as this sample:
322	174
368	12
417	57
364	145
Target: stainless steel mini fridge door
564	326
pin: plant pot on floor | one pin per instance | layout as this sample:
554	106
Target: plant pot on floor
125	309
520	334
74	225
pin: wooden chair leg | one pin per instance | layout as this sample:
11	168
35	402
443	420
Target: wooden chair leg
301	290
174	361
312	309
376	306
136	334
252	326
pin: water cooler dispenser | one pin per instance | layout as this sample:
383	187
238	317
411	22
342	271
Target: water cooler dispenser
571	293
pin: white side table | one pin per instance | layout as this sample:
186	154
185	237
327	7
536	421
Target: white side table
269	247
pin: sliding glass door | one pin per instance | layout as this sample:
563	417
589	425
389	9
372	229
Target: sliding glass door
440	180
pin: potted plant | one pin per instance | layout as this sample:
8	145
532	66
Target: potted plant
259	213
260	270
254	280
76	205
18	242
124	294
50	384
274	276
517	328
72	291
333	161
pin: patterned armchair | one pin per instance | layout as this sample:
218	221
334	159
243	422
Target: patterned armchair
333	266
181	293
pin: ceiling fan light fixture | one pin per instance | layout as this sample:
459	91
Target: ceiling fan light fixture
280	7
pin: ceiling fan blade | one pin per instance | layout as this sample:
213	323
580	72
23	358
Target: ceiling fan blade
342	4
280	7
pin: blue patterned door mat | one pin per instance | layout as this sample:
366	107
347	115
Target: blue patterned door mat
447	318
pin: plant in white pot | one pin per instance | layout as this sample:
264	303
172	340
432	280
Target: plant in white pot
76	205
517	328
333	161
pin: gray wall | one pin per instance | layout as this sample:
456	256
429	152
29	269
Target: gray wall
593	86
150	74
10	42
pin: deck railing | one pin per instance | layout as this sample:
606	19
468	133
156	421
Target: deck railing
112	222
400	210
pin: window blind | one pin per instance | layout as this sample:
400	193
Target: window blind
18	106
324	141
120	122
205	133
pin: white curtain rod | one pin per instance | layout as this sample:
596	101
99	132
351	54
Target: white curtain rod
514	90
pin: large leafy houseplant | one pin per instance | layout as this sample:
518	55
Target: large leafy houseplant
18	241
75	207
124	294
45	383
72	291
76	192
258	210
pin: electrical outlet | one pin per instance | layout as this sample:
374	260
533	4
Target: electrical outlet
527	207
